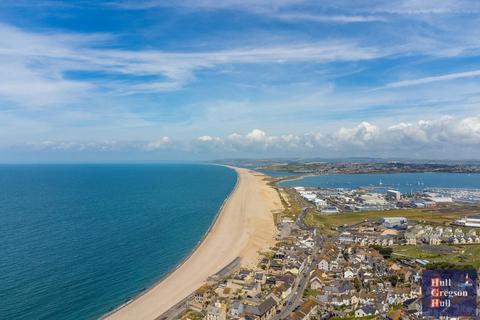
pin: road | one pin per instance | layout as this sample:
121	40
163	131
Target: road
300	219
294	301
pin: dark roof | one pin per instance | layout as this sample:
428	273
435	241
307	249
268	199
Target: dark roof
368	309
271	280
258	275
342	288
262	308
288	279
408	302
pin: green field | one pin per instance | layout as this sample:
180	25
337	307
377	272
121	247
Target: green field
434	215
457	254
291	208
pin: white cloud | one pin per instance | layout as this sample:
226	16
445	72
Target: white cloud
342	19
157	144
425	80
256	135
407	7
40	61
421	138
425	7
250	5
106	145
208	138
402	138
359	135
407	131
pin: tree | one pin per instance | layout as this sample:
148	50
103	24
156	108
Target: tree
386	252
393	280
357	284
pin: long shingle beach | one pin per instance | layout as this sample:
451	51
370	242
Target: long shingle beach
243	228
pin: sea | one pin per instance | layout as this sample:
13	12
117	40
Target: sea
403	182
79	240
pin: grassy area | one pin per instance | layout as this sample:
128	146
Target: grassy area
309	293
457	254
192	315
291	209
433	215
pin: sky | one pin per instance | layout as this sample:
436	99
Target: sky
151	80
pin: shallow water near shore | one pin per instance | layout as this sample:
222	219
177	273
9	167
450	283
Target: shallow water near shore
78	240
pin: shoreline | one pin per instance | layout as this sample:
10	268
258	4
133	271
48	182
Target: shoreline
221	235
166	275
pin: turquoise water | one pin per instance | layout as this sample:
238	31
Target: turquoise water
77	240
404	182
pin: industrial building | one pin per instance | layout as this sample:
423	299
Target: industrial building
394	195
472	221
395	223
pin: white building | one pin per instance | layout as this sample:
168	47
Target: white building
329	210
373	199
323	265
394	222
437	198
216	313
472	221
320	203
394	195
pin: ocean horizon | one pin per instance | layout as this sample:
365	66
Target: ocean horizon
79	240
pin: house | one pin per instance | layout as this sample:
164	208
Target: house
315	283
413	306
244	276
308	310
400	295
271	281
224	292
236	308
472	233
277	267
282	292
260	278
338	289
316	280
348	274
323	265
435	240
410	238
294	268
265	263
216	313
395	315
202	295
365	311
287	279
252	289
263	311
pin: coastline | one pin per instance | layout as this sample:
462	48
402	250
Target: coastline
242	227
166	275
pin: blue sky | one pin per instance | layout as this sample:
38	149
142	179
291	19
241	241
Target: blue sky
167	80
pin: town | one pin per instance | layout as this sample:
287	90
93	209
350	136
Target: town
362	268
327	166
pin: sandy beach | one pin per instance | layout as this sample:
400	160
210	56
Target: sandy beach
243	228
